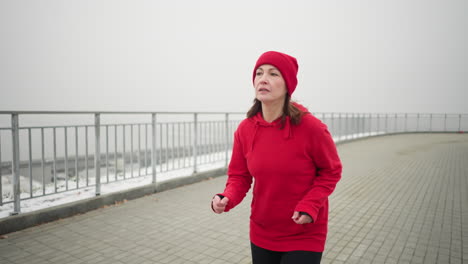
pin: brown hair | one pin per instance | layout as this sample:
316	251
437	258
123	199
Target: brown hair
289	109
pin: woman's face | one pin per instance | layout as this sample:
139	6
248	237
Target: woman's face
269	85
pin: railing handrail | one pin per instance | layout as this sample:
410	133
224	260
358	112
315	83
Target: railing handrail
117	112
108	124
29	112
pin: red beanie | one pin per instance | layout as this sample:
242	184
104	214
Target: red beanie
286	64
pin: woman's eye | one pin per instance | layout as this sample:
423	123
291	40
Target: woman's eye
258	73
274	74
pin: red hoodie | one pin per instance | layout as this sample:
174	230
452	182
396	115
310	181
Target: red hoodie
295	168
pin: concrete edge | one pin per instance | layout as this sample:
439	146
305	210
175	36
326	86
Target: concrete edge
24	220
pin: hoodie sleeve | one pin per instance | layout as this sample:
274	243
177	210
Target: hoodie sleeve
328	172
239	178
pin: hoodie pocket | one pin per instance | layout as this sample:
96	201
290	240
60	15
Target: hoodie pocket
276	218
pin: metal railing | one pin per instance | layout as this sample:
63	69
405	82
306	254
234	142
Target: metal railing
348	126
60	158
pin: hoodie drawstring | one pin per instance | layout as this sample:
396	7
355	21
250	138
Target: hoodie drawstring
257	124
287	131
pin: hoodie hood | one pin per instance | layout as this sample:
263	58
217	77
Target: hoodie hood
276	124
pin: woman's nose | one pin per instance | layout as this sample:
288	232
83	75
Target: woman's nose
262	79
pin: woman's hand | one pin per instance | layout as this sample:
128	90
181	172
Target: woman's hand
219	205
301	218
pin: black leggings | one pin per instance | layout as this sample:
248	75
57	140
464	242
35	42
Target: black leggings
265	256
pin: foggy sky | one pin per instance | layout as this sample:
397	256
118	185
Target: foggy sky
117	55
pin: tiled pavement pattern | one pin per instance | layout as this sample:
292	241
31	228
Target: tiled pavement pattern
402	199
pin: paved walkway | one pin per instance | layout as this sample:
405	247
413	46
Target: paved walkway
402	199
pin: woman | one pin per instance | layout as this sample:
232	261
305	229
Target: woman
294	162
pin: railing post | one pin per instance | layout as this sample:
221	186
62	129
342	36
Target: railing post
364	124
227	139
378	124
339	126
195	141
361	124
417	122
30	163
396	122
1	186
153	146
66	159
370	124
356	125
430	122
43	162
459	122
54	165
97	152
16	163
386	123
406	122
445	122
346	127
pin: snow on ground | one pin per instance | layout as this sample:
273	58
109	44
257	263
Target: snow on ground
169	171
358	135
